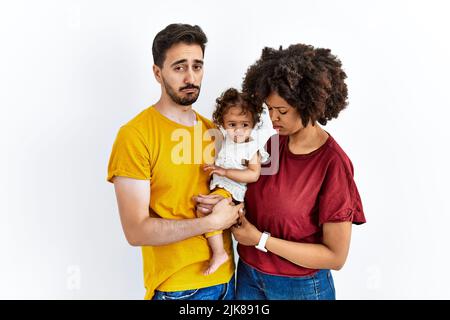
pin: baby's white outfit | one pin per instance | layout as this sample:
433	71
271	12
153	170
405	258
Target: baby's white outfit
233	155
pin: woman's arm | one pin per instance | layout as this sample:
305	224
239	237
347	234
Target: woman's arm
330	254
249	175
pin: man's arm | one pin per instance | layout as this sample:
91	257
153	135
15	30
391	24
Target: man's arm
133	199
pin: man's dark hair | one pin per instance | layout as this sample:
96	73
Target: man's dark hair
173	34
311	80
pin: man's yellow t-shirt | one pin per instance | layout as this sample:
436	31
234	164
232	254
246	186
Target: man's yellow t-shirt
153	147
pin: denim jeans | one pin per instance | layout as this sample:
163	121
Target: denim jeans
223	291
254	285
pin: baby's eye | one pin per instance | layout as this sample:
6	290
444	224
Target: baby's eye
232	124
245	125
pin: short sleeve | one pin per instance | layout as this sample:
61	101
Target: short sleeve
129	156
339	198
265	156
221	192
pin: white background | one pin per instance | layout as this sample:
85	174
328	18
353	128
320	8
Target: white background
72	72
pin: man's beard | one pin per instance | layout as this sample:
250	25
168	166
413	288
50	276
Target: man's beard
183	101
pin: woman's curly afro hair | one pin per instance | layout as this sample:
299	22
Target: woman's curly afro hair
233	98
309	79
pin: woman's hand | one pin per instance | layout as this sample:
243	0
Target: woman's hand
246	233
213	169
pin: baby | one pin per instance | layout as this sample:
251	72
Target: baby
246	128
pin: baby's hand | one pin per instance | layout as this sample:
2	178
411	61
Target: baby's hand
213	169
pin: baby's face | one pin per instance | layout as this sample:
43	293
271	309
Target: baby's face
237	124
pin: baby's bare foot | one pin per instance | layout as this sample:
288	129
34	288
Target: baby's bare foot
216	261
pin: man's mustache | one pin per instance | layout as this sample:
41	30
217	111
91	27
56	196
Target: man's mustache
190	86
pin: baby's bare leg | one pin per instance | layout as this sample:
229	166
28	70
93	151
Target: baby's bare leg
219	255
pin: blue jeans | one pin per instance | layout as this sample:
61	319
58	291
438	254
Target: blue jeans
254	285
223	291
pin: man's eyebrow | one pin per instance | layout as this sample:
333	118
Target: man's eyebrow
185	60
178	62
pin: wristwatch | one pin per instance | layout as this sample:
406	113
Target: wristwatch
262	241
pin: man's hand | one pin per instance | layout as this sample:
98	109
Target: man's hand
213	169
205	203
225	214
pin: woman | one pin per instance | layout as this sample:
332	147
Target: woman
302	215
298	220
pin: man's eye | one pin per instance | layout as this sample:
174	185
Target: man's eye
199	67
179	68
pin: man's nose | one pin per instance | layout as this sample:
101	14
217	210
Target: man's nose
190	77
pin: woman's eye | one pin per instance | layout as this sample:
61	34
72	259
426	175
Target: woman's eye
283	112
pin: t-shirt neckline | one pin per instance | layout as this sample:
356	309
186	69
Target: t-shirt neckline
160	115
307	155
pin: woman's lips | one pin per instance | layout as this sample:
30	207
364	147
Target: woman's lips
277	128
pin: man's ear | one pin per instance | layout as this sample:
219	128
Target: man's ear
157	73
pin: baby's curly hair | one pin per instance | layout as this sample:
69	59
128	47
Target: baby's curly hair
233	98
309	79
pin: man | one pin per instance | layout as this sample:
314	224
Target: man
155	177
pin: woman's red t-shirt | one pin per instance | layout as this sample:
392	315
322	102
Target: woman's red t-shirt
292	204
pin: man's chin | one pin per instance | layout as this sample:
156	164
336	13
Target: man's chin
188	100
185	101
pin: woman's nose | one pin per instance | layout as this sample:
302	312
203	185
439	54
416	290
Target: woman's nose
273	116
